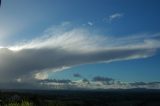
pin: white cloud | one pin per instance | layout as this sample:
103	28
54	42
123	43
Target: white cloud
80	84
90	23
56	52
41	76
113	17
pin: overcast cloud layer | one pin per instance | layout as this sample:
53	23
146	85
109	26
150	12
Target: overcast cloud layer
61	49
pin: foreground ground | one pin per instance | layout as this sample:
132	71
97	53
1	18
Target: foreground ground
80	98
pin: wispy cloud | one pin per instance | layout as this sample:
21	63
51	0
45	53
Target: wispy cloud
90	23
67	48
113	17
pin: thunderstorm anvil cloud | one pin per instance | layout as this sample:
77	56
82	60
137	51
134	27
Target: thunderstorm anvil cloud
56	51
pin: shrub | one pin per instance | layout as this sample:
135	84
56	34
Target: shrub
24	103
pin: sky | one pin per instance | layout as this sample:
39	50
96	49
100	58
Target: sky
80	44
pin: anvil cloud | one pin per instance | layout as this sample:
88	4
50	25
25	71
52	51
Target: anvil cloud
56	51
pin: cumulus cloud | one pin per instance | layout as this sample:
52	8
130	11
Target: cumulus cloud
57	51
98	82
150	85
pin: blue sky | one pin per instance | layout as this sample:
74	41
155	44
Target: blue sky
124	23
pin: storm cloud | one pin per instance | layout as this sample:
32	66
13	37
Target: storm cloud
104	80
57	51
77	75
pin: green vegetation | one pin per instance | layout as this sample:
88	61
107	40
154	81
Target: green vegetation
81	98
23	103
